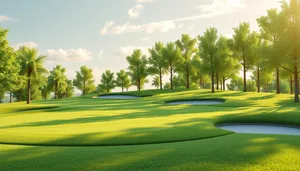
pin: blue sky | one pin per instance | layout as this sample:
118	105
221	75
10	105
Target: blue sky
101	33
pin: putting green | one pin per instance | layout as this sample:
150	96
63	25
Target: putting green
83	121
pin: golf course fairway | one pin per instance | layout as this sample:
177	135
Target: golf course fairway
148	134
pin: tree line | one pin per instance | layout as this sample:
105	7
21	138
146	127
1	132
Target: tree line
271	55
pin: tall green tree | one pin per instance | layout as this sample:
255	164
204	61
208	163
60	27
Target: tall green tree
271	28
242	47
57	79
107	81
289	42
84	80
172	57
123	80
157	64
9	67
31	66
138	68
226	66
208	48
187	46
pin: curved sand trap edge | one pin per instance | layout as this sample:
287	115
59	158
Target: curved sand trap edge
196	102
254	128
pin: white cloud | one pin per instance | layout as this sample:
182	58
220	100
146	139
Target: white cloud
220	7
216	8
111	29
146	38
4	18
135	11
128	50
70	55
29	44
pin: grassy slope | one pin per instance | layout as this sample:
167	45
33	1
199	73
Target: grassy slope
86	121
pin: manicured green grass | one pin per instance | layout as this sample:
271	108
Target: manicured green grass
146	133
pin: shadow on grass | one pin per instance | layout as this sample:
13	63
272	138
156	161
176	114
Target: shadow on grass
233	152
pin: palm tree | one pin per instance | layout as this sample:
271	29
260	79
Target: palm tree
156	82
31	65
57	79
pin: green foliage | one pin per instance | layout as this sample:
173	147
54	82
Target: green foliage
242	45
157	64
138	68
107	82
173	58
156	82
123	80
9	67
199	76
31	67
57	81
84	80
289	42
208	48
187	46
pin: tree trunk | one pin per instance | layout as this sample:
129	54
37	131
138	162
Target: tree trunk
122	89
258	80
187	77
296	83
56	87
245	79
28	90
277	81
291	86
212	82
217	79
171	78
19	96
10	97
224	87
83	88
160	79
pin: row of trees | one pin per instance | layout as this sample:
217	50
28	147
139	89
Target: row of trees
207	59
275	49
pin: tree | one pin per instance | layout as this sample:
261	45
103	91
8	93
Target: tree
199	74
123	80
156	82
31	66
69	90
57	79
138	68
157	62
20	86
208	49
226	66
260	63
84	80
188	49
289	42
9	67
107	81
173	57
271	27
242	47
